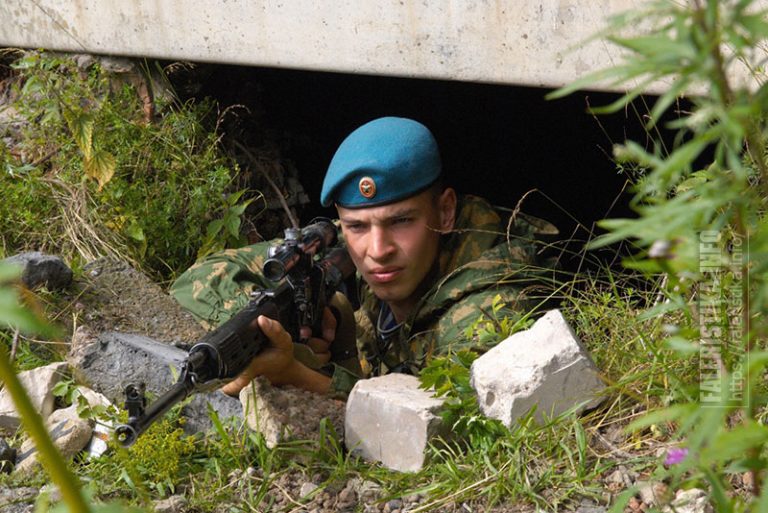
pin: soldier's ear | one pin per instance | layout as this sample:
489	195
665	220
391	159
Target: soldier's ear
447	206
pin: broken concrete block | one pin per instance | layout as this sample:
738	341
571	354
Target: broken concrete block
545	366
110	361
391	420
39	385
288	413
70	434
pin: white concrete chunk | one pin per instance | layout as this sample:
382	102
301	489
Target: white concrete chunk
39	385
391	420
546	366
70	434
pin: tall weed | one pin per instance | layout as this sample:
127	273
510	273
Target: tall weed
701	225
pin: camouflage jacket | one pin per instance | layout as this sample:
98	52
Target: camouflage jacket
485	259
485	256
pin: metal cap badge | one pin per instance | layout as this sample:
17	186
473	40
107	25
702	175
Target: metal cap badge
367	187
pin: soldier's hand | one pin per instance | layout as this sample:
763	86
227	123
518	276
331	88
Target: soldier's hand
275	362
321	346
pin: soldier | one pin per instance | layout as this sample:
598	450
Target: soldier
429	263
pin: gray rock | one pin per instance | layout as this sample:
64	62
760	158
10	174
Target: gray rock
545	366
18	500
70	434
39	385
128	334
588	506
391	420
7	457
116	297
288	413
39	269
173	504
307	488
694	500
110	361
653	493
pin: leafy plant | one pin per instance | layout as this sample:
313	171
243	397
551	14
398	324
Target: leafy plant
88	177
702	224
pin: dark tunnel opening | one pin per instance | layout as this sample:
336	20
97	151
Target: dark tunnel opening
496	141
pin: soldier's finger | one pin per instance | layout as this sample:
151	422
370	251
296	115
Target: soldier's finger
275	333
233	387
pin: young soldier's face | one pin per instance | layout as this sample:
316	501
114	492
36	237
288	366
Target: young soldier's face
394	246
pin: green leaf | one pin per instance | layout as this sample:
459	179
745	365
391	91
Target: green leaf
81	126
100	167
756	25
669	414
214	227
233	226
135	232
14	315
735	443
682	345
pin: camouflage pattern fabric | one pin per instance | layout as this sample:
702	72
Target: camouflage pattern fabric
482	258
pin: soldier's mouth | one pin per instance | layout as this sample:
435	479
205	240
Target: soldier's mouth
384	275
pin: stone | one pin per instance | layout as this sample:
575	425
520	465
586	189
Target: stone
307	488
588	506
653	493
288	413
109	361
694	500
18	500
173	504
114	296
7	457
39	385
39	270
70	435
391	420
545	366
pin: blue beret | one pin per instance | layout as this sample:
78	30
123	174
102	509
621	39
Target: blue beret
385	160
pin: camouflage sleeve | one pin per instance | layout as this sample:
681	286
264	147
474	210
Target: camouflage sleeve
218	286
459	327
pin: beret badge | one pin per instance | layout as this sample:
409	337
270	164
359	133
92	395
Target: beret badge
367	187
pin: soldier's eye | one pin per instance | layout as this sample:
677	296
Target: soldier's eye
355	227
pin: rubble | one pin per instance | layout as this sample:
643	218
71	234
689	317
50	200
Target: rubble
69	433
288	413
39	385
545	366
391	420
